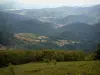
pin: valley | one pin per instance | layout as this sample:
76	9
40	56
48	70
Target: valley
57	28
58	40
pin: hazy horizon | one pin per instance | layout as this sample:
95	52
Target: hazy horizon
38	4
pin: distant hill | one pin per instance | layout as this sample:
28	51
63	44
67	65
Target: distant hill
80	31
89	15
77	18
21	24
76	27
96	32
96	27
76	31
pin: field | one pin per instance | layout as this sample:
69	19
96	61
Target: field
61	68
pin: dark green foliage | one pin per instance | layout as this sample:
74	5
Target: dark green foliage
3	59
21	44
54	62
21	57
46	60
90	56
98	52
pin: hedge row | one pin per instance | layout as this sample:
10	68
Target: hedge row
22	57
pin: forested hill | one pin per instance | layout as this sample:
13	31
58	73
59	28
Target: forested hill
64	14
76	28
21	24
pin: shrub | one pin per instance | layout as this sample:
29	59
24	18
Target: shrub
90	56
54	62
11	69
16	57
46	60
98	52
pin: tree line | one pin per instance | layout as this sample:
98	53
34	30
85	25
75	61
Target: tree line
16	57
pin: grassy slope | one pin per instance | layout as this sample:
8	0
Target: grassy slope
27	35
62	68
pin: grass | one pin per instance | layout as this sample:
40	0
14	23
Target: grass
61	68
28	35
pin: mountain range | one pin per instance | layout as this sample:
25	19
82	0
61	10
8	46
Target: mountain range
61	23
90	14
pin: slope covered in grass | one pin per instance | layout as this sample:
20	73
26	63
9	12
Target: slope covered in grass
61	68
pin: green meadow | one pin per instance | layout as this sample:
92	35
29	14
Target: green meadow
61	68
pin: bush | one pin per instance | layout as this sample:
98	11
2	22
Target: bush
16	57
74	56
46	60
98	52
90	56
54	62
11	69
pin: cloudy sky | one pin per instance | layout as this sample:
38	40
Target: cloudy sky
47	3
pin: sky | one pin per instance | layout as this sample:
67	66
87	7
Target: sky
47	3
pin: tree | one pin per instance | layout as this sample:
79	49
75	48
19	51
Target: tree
98	52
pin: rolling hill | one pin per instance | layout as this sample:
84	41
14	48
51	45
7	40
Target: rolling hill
21	24
89	15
